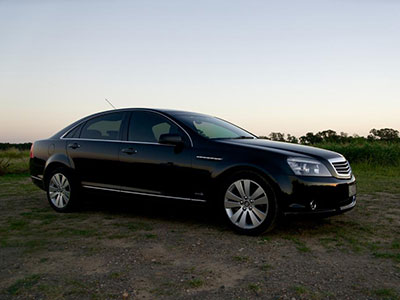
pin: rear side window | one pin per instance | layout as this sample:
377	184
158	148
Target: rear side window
74	133
106	127
148	127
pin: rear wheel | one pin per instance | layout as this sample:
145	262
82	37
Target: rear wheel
61	190
249	203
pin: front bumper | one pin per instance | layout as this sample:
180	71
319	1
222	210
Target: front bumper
325	211
318	195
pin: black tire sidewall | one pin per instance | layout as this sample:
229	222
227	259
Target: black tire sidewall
73	190
269	222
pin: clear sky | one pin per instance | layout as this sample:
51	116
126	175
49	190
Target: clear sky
288	66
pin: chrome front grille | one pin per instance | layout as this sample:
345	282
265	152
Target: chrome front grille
341	166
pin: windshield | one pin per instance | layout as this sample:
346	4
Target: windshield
214	128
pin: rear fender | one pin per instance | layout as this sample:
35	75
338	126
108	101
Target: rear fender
58	160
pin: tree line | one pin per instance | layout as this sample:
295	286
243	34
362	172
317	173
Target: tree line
310	138
20	146
331	136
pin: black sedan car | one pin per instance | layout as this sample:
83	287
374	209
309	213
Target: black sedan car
195	157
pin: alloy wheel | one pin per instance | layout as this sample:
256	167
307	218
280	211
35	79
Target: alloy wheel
246	204
59	190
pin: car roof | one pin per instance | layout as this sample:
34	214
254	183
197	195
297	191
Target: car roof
170	112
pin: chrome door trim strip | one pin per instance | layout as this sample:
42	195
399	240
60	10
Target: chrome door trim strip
100	188
209	157
140	193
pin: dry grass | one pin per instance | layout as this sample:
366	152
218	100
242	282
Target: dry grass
14	161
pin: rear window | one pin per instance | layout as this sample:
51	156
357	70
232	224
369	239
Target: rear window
105	127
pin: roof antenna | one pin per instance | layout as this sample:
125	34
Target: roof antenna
110	103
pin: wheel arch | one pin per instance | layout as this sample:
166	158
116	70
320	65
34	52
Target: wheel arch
220	178
272	210
54	162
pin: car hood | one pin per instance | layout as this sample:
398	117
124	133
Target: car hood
287	147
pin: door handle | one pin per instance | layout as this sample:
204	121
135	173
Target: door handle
129	151
74	145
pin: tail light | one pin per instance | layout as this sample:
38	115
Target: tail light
31	152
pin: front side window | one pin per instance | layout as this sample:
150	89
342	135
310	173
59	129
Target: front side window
147	126
105	127
214	128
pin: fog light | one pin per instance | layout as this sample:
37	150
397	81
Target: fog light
313	205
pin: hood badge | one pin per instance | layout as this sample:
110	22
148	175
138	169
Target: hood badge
208	157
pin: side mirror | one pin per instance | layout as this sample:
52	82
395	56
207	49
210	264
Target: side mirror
170	139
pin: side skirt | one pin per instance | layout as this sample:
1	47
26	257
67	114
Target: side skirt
140	193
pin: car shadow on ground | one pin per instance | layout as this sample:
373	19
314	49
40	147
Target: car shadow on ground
186	212
154	209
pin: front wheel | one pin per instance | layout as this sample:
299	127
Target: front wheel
249	203
61	190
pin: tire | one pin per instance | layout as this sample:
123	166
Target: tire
248	203
62	190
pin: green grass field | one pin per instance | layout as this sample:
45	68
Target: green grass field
167	251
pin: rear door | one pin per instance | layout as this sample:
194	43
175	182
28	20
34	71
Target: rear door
95	152
149	167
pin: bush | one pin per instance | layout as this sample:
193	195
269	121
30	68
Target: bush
19	146
380	148
371	152
13	153
14	161
4	165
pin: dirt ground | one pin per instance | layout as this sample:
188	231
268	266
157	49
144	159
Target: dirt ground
119	248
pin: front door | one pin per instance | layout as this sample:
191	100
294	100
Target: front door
148	167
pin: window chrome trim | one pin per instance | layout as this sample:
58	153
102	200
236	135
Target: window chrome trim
119	141
141	193
165	116
130	111
68	131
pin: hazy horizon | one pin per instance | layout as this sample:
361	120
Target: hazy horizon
290	67
262	135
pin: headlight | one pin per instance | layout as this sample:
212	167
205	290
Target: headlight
308	167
